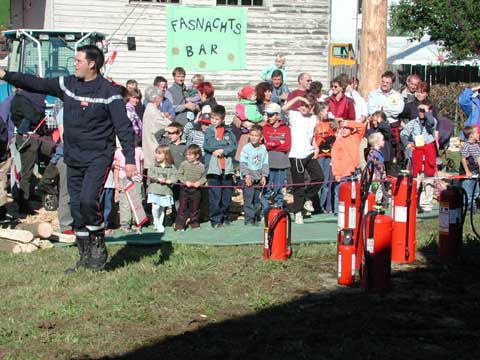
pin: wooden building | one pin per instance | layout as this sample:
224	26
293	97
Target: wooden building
297	28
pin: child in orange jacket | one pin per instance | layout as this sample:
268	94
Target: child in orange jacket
345	152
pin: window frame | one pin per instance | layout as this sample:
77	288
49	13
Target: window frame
154	2
239	4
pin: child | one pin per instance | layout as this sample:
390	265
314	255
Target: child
247	113
375	156
195	131
324	138
133	98
220	146
470	163
279	64
161	177
278	141
378	123
121	181
193	95
177	146
254	172
191	174
345	154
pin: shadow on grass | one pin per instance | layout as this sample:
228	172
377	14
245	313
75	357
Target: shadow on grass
431	313
134	253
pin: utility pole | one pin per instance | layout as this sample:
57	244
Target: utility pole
373	49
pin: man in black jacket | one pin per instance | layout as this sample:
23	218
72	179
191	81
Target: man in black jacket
94	112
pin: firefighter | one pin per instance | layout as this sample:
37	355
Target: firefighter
94	113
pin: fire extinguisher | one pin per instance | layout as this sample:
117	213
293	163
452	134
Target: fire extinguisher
376	263
277	235
346	257
348	203
404	214
453	210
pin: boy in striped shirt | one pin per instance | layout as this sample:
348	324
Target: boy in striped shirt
470	163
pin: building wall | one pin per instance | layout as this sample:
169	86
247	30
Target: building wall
297	28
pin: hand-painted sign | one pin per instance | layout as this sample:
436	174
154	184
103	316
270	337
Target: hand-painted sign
206	38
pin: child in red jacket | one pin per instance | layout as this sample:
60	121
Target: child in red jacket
278	141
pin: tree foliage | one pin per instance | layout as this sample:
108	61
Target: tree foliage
455	24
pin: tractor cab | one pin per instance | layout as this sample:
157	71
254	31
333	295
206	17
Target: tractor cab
45	53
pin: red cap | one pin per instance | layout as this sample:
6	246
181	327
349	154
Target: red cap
246	92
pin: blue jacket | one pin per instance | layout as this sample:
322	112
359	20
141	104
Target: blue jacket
94	112
229	146
470	103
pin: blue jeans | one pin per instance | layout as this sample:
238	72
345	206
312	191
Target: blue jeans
276	181
107	201
251	202
219	199
323	194
468	185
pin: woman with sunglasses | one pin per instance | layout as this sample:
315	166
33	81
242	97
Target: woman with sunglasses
340	106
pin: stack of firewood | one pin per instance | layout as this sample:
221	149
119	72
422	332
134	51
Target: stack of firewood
26	238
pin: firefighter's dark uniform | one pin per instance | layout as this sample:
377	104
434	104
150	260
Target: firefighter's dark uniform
94	112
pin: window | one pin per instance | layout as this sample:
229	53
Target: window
240	2
340	52
158	1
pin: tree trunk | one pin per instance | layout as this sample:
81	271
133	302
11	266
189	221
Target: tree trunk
373	49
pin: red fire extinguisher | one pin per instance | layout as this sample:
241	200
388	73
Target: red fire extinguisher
453	210
348	204
377	239
346	257
404	214
277	235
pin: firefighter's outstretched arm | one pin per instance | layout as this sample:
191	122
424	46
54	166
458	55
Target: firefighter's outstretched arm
33	83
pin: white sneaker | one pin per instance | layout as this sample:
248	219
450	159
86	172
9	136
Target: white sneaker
299	218
309	206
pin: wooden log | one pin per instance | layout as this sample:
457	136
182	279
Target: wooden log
10	246
28	248
42	230
45	244
22	236
63	238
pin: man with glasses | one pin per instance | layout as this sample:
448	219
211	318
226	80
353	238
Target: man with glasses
391	103
304	81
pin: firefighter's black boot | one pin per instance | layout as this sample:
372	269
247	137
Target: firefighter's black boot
99	254
83	244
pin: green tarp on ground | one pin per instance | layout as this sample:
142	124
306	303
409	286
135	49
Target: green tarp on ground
317	229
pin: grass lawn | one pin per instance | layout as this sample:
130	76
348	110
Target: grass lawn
180	301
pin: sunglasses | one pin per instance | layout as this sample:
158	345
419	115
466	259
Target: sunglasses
271	114
172	133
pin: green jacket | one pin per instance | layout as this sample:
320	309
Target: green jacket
229	146
159	172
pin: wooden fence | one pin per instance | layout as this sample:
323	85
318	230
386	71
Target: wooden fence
432	74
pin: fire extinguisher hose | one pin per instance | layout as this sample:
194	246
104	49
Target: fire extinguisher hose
370	215
409	203
365	181
471	210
